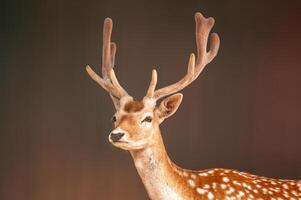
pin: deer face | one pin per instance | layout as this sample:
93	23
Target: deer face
137	122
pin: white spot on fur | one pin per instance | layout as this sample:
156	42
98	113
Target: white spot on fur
201	191
286	195
294	193
203	174
236	183
191	183
285	186
230	190
210	195
241	193
264	190
206	186
193	176
225	179
223	186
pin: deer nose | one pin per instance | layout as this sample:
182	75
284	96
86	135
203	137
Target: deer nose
116	136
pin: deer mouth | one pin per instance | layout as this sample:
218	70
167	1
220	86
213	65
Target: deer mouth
118	142
127	145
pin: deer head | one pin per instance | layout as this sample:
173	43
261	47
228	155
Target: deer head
136	123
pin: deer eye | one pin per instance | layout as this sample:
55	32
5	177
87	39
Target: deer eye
114	119
147	119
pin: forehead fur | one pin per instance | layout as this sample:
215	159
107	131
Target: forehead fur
133	106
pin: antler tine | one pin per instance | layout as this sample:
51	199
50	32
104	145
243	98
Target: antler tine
103	83
108	55
152	85
106	47
186	80
113	53
109	81
203	28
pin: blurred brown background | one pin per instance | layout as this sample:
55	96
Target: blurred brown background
243	112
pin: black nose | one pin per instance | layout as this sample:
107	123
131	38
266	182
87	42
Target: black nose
116	136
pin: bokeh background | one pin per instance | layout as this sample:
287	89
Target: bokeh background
243	112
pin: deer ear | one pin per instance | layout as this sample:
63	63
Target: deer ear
169	106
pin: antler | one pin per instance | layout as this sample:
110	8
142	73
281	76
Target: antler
203	27
109	81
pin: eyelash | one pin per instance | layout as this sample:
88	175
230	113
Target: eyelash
147	119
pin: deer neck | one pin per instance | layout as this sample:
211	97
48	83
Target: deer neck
157	171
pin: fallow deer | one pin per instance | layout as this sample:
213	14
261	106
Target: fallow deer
136	129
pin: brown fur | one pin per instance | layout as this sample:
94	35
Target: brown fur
238	185
128	123
133	106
